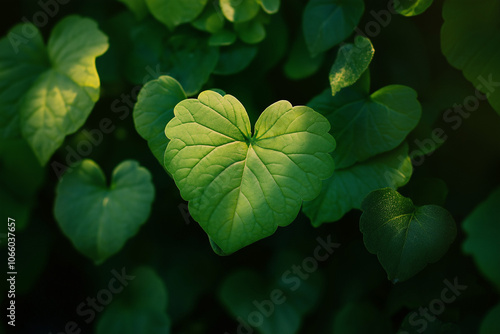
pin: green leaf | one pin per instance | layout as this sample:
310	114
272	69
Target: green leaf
98	218
235	58
404	237
326	23
365	126
140	309
173	12
361	317
57	98
191	61
483	233
347	187
211	20
490	322
138	7
222	37
239	10
470	39
351	62
300	64
251	32
154	109
413	7
240	186
270	6
22	61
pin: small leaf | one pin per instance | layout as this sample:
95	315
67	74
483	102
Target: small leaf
174	12
211	20
270	6
351	62
239	10
98	218
240	186
300	64
470	40
404	237
412	7
222	37
483	233
154	109
191	61
251	32
141	309
56	98
490	323
235	58
326	23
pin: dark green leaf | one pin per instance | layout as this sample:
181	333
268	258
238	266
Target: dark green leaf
404	237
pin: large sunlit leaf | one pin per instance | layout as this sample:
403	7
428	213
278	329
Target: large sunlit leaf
98	218
483	230
412	7
154	109
326	23
404	237
52	89
142	308
174	12
351	62
470	40
240	186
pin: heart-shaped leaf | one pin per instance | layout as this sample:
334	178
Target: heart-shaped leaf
240	186
404	237
351	62
53	89
470	40
154	109
98	218
326	23
142	308
483	232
